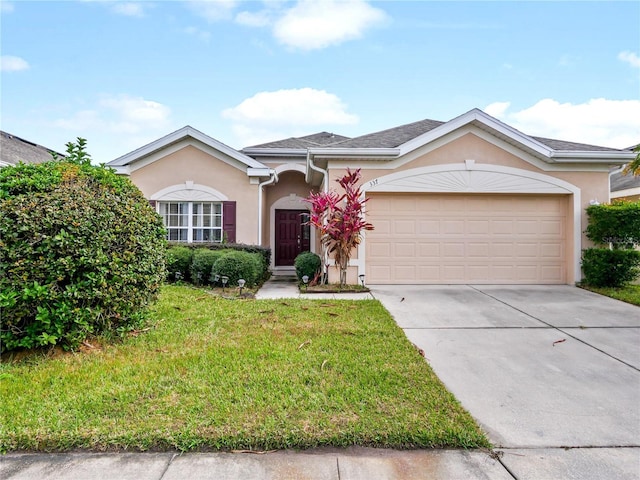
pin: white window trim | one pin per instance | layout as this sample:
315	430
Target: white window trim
189	227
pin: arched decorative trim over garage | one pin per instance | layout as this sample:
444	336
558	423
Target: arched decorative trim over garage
470	177
189	192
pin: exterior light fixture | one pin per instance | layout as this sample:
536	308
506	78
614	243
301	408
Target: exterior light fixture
361	276
241	283
216	279
305	280
225	279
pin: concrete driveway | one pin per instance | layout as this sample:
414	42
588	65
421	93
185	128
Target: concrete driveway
552	373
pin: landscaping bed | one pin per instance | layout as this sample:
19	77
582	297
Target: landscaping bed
212	373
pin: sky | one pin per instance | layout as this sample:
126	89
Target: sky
124	73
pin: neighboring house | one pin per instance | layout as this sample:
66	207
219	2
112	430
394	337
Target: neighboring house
15	149
625	187
471	200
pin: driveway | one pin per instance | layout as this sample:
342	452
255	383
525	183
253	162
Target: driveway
552	373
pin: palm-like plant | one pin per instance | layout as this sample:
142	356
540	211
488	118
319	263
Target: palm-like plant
340	220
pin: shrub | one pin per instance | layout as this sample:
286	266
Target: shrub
617	224
179	260
81	252
307	263
202	263
610	268
236	265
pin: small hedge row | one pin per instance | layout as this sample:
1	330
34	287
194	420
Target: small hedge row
199	264
615	229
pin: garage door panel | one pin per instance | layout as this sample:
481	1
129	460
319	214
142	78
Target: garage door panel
459	238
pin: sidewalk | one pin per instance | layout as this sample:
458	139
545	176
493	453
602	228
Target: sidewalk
354	463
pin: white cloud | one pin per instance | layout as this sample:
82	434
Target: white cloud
6	7
119	114
214	10
269	116
630	57
129	9
117	123
10	63
313	24
600	121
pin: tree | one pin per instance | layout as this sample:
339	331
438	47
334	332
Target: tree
340	220
633	167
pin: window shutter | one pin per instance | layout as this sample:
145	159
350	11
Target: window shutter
229	221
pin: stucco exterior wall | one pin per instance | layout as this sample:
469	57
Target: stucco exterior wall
192	164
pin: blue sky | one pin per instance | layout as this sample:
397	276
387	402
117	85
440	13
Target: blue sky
122	74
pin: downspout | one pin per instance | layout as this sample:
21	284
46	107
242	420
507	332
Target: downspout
272	179
325	174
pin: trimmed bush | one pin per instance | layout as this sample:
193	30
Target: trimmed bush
81	252
179	260
202	263
236	265
264	252
307	263
617	224
610	268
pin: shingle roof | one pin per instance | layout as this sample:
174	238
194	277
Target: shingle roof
392	137
15	149
624	182
572	146
320	139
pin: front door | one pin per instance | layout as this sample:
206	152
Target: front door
292	236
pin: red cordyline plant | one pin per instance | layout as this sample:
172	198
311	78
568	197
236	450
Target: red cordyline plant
339	218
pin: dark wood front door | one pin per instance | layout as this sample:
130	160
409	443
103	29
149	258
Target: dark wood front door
292	236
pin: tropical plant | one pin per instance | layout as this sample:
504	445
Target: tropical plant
340	220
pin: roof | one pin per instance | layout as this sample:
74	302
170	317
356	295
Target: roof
619	181
14	149
319	139
401	135
186	133
562	145
392	137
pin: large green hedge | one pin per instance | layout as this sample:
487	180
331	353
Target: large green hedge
615	229
81	252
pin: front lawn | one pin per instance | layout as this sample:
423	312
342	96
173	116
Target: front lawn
629	293
214	373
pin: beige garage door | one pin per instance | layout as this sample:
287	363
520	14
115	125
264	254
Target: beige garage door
460	238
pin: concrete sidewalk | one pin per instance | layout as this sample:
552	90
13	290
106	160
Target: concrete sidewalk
354	463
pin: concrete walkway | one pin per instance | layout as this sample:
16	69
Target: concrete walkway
287	287
551	373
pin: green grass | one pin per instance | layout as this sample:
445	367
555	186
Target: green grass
214	373
629	293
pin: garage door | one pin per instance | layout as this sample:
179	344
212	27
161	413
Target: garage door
459	238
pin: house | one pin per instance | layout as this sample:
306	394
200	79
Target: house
471	200
14	149
625	187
